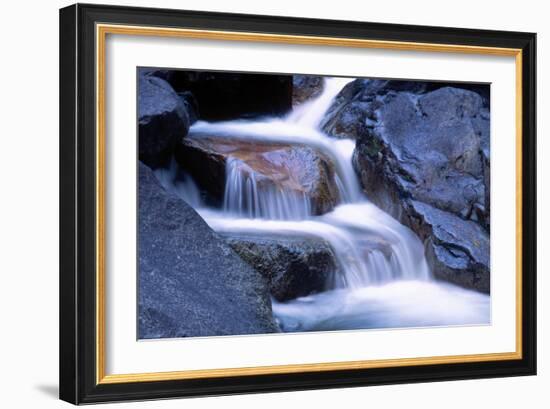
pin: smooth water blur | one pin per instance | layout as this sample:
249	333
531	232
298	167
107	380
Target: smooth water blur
366	219
369	246
310	113
245	197
394	305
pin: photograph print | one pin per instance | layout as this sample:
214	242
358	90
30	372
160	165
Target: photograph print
280	203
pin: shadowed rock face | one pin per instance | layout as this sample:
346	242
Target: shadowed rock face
293	267
305	88
191	283
224	95
163	120
423	156
291	167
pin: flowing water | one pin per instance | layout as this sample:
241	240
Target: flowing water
244	196
387	284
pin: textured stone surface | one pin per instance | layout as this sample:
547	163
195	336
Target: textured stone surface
293	267
191	283
458	250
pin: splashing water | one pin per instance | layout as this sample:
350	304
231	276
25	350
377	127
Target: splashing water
383	279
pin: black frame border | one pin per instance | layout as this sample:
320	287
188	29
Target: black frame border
78	203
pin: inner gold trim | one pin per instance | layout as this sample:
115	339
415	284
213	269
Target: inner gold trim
101	32
320	367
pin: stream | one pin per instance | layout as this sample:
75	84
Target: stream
386	285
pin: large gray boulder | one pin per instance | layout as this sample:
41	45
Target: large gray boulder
191	283
163	119
294	267
422	155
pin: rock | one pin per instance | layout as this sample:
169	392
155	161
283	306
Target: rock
429	148
422	147
458	250
295	168
305	87
346	117
163	120
224	95
352	111
191	106
191	283
293	267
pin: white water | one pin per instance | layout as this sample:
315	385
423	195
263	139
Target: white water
243	196
382	280
346	229
310	113
396	304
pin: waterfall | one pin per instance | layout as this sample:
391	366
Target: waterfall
400	255
251	205
246	196
375	255
284	131
311	112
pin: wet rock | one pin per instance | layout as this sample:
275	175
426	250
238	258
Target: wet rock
353	111
296	168
293	267
191	283
458	250
423	144
163	120
432	148
205	164
305	87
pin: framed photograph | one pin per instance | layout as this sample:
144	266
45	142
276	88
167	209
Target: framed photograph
258	203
